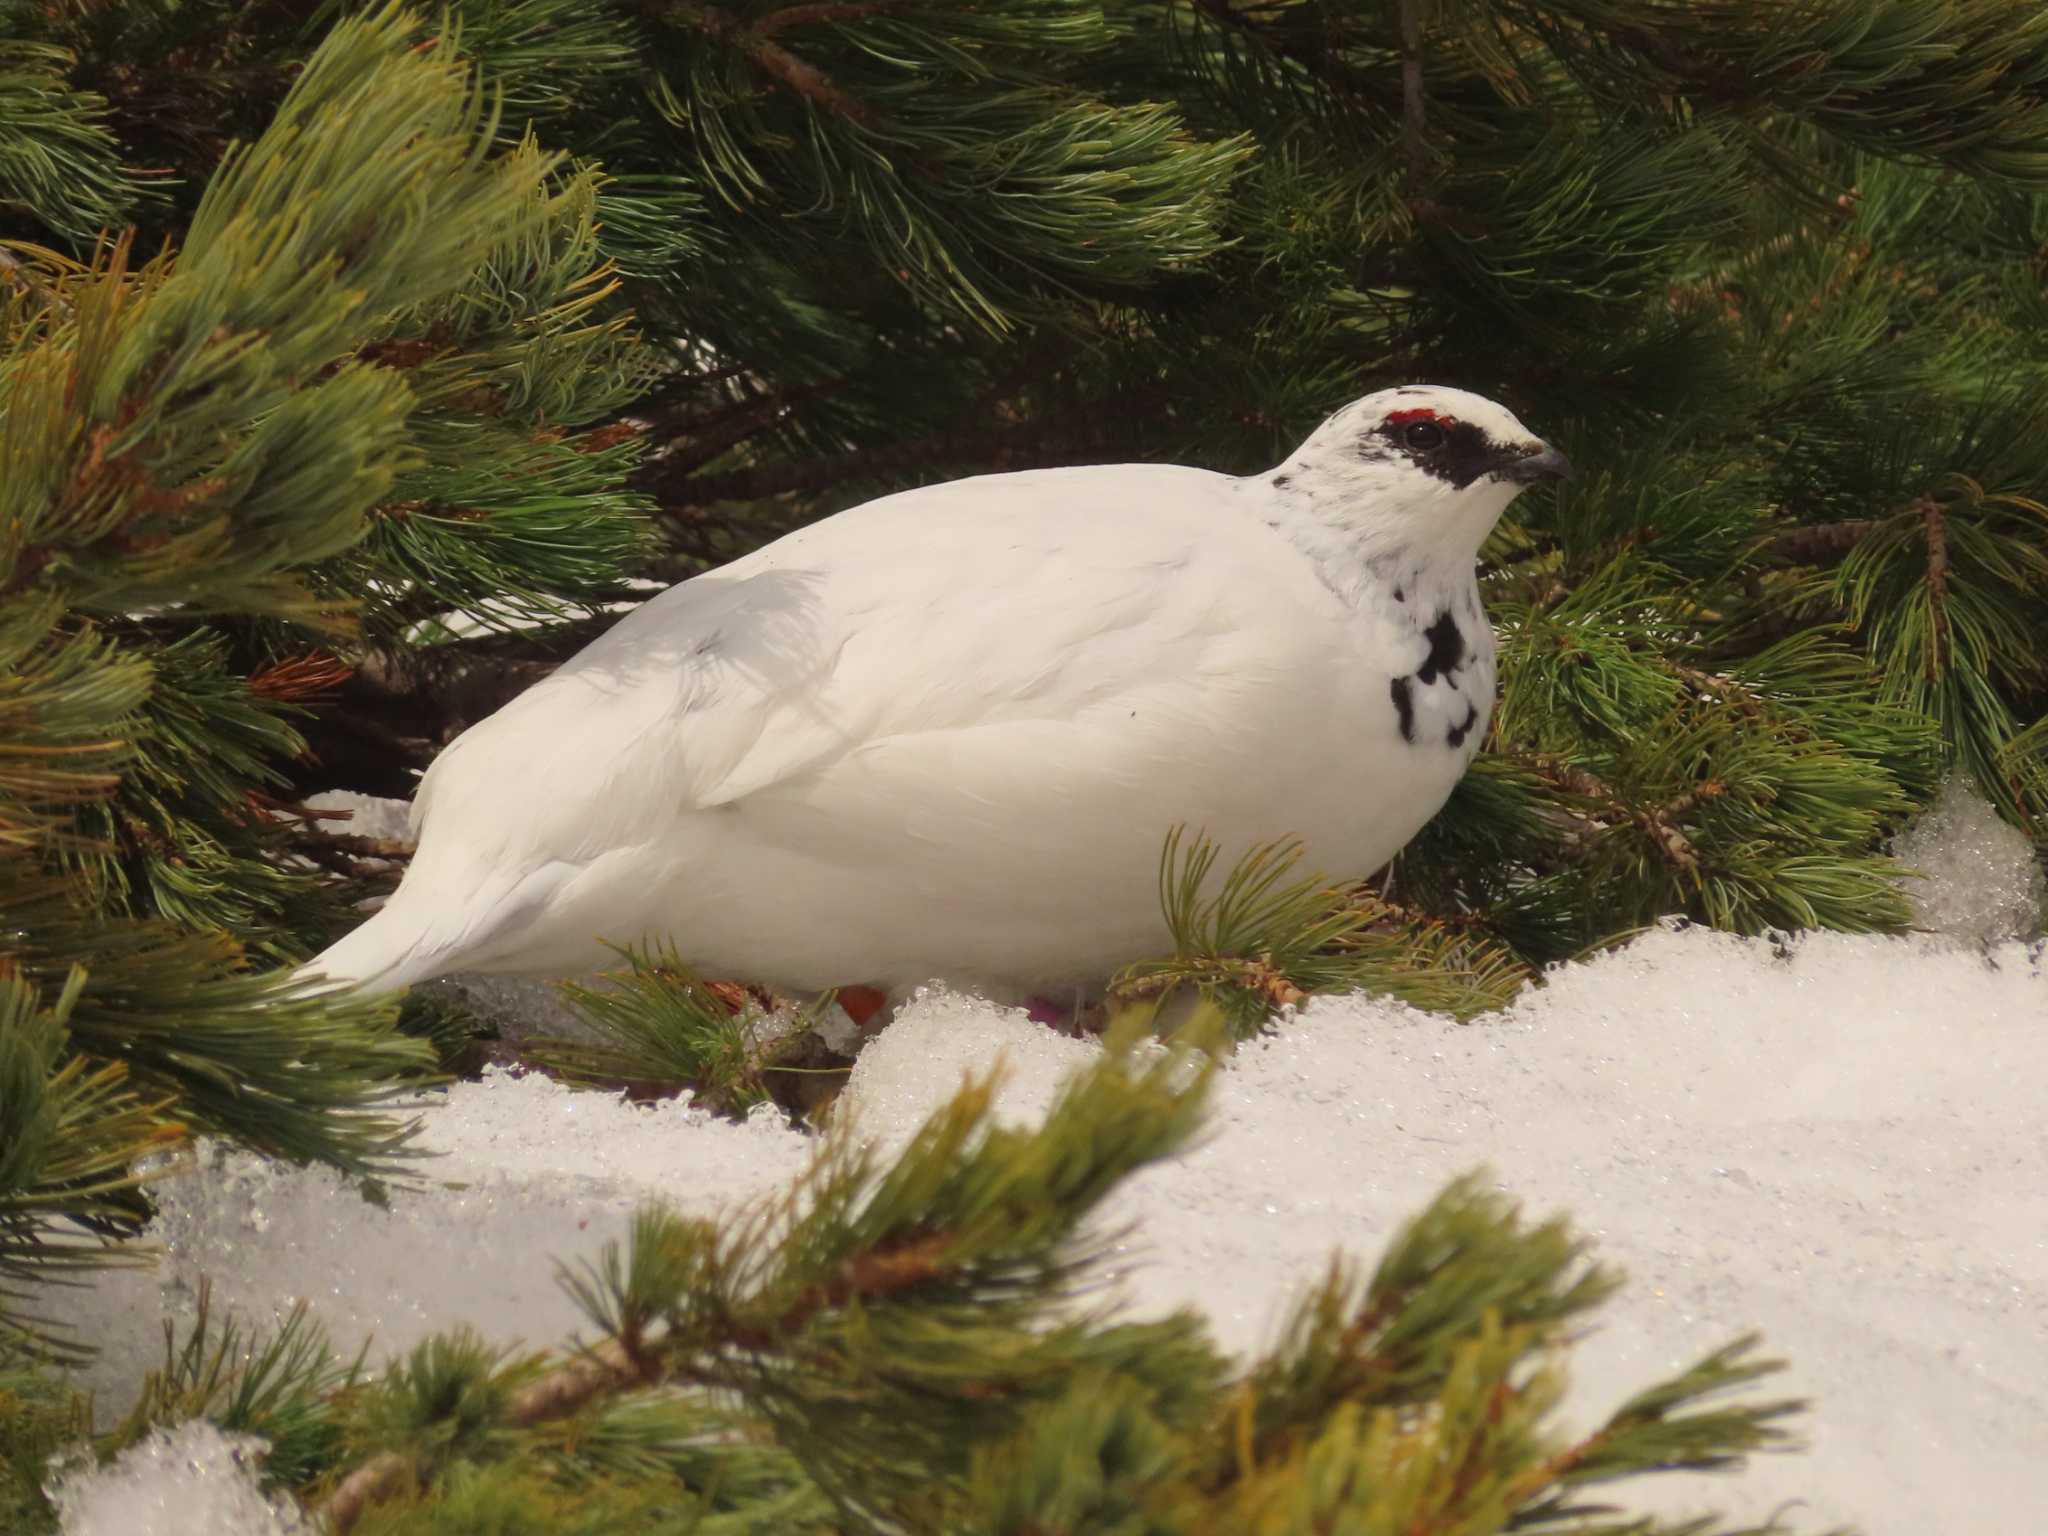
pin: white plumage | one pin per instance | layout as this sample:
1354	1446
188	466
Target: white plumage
945	732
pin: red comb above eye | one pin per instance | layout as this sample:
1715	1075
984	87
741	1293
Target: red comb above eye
1420	413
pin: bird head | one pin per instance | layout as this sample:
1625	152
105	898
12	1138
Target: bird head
1420	470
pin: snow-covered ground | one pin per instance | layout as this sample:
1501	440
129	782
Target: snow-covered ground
1839	1140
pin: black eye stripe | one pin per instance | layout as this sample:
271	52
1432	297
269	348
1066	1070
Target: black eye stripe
1464	454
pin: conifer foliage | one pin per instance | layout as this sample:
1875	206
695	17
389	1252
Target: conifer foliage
351	363
195	444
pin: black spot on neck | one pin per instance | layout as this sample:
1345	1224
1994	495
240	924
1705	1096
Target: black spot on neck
1281	482
1446	649
1400	596
1456	735
1404	706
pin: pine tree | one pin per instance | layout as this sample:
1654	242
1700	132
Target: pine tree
195	443
320	325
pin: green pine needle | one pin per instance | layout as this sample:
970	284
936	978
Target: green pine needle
1259	939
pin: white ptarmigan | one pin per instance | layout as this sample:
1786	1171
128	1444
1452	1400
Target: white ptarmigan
945	733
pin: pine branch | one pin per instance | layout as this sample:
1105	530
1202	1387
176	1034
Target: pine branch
71	1137
973	1232
1291	47
279	1383
22	274
192	454
250	1057
1256	940
665	1030
901	1340
1659	823
602	1371
58	158
342	852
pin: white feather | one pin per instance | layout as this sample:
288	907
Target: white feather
947	731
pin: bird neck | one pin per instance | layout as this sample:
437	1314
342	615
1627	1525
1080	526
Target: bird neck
1367	546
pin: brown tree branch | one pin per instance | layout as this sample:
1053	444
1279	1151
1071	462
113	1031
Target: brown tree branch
607	1368
1658	822
1713	685
691	443
1935	522
1414	127
610	1367
885	1268
357	846
777	62
1818	543
374	1481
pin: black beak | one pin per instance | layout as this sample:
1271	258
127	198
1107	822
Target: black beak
1541	462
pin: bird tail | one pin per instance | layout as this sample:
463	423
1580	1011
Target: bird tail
385	954
439	920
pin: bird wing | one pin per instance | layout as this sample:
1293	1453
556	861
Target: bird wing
1007	598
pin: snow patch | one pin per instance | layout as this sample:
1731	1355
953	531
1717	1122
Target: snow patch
520	1172
1835	1139
496	618
1979	877
190	1480
369	815
937	1041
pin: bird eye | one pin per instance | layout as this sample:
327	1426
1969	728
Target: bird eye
1423	435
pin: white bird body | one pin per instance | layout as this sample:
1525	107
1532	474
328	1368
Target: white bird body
946	732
